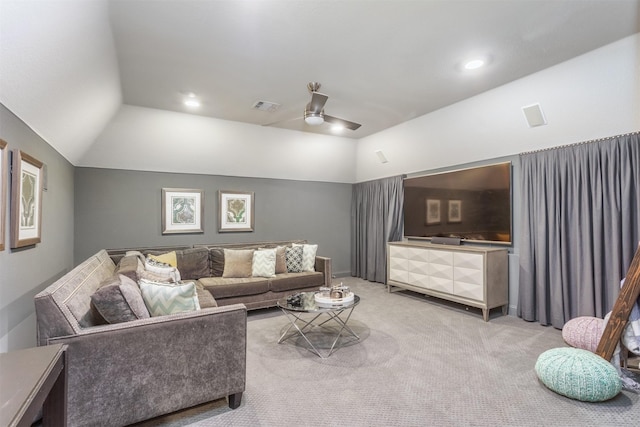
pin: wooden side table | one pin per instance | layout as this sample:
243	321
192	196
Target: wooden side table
31	379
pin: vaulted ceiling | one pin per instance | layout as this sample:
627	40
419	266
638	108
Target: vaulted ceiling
67	66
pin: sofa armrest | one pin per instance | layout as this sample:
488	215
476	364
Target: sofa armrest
323	264
132	371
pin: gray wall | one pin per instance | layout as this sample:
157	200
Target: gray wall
122	209
26	271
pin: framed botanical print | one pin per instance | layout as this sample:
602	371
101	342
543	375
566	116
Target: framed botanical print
433	211
3	190
236	211
26	200
182	210
455	211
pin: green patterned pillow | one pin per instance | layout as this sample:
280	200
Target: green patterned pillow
168	298
308	257
293	256
264	263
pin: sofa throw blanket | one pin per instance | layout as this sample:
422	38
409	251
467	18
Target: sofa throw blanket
631	340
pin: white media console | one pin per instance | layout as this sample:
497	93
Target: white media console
473	276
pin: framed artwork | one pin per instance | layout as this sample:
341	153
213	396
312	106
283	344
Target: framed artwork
26	200
433	211
182	210
455	211
3	190
236	211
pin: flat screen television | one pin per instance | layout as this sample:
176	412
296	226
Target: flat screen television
471	204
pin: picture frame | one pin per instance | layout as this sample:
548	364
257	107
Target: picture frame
433	211
455	211
182	210
236	211
3	191
26	200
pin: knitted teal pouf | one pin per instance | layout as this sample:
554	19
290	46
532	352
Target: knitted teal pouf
578	374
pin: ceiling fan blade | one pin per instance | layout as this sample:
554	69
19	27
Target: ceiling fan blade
279	122
345	123
317	102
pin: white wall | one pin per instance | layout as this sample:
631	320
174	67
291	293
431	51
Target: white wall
147	139
59	69
592	96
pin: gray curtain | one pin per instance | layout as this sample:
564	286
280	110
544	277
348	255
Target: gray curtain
376	218
581	226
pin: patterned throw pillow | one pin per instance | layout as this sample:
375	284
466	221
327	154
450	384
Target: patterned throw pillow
167	258
293	256
264	263
168	298
159	269
308	257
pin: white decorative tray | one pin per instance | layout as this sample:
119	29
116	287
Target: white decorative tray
327	301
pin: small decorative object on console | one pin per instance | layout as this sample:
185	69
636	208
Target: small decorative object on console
336	295
295	300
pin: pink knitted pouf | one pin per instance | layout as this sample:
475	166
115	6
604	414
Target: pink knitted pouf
583	332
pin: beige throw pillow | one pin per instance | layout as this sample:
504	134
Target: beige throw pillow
238	263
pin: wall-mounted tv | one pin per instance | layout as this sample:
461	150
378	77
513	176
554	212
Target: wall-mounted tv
472	204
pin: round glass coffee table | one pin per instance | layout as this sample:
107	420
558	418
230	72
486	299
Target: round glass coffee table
308	305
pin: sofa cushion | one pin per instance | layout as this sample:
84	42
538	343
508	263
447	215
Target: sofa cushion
193	263
264	263
308	256
119	300
293	281
169	298
205	299
231	287
130	266
238	263
281	260
294	259
216	261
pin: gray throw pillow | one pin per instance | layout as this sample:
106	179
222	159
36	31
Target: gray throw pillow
119	300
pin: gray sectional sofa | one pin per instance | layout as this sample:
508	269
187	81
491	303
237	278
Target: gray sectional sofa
205	263
123	373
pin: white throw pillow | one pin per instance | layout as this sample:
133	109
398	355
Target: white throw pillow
264	263
308	257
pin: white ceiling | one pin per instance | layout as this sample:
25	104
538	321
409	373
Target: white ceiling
380	62
66	66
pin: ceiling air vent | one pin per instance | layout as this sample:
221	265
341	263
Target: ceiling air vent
266	106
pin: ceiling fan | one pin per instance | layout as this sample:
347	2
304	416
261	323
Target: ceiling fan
314	111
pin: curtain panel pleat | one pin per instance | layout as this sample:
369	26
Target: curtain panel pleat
581	216
376	218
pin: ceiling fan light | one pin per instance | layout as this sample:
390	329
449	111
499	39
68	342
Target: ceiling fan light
313	119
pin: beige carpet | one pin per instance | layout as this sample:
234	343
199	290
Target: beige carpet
420	362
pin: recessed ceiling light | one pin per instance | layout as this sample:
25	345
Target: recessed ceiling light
474	64
191	101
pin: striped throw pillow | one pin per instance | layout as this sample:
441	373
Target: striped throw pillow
169	298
